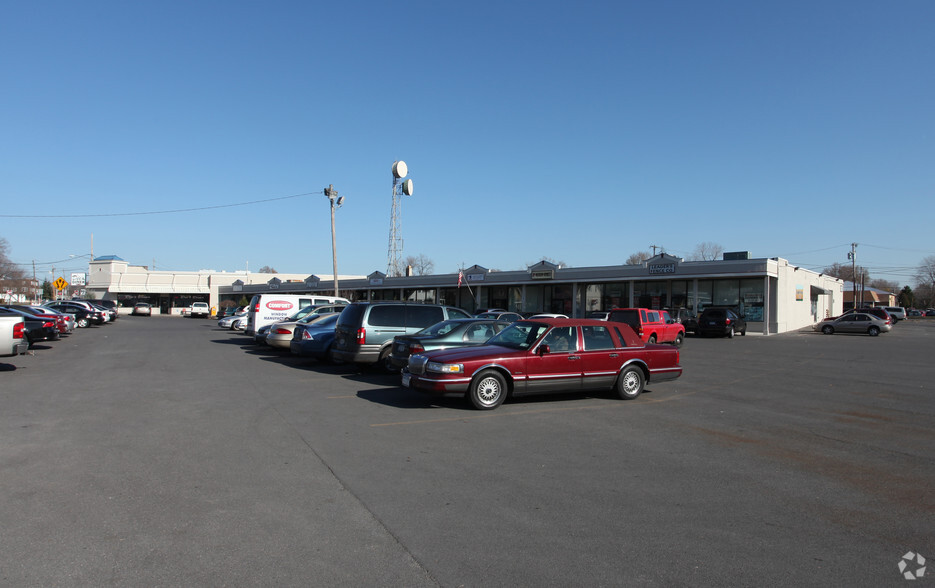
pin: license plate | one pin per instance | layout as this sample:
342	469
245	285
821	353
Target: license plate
406	378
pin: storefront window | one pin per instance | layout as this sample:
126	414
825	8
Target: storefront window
705	295
679	294
727	292
752	297
426	296
654	294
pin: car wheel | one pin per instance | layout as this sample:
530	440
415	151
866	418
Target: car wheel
873	331
730	333
630	383
827	330
488	390
652	339
82	323
679	339
386	363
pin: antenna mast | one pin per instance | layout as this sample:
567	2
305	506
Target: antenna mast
395	249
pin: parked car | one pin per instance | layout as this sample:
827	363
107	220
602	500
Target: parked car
534	357
61	323
877	311
315	338
84	315
12	335
280	334
228	321
685	317
897	312
304	312
445	335
108	307
266	309
723	322
37	329
599	315
498	315
914	313
142	309
854	322
651	326
365	330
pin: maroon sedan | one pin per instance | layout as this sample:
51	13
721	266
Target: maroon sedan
542	356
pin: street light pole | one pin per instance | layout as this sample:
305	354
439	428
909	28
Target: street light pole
336	202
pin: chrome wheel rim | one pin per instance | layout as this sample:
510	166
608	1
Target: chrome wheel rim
631	383
488	391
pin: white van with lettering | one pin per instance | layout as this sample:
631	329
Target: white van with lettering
266	309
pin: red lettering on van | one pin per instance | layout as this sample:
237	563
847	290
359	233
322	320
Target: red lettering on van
279	305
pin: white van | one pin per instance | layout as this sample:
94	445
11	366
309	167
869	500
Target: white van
266	309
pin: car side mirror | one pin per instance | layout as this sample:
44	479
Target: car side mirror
544	350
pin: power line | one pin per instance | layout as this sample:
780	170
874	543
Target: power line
156	211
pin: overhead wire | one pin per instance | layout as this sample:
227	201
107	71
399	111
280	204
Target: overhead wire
151	212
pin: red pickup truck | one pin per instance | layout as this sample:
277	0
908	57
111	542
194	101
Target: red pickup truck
652	326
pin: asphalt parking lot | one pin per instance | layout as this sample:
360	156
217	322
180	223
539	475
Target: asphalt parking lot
165	451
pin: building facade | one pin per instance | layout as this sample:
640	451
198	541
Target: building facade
112	278
774	295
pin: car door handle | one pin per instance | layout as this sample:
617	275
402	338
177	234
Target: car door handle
614	354
573	357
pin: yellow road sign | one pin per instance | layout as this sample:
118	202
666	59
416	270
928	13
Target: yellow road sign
60	283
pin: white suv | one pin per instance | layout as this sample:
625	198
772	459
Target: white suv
897	312
200	309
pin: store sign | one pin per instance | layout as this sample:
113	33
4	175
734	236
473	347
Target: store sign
79	279
376	281
542	275
475	277
662	268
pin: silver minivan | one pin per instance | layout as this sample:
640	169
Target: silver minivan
364	333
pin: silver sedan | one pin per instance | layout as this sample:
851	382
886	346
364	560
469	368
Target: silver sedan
856	322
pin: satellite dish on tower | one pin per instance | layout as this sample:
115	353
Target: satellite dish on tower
407	187
399	169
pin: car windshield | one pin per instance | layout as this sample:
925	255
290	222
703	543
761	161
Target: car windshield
439	329
519	335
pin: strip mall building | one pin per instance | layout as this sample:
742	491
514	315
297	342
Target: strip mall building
775	295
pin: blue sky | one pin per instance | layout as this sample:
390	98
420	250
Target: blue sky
580	132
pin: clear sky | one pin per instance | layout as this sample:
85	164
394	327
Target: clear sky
581	132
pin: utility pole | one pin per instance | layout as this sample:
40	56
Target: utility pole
336	202
654	247
853	257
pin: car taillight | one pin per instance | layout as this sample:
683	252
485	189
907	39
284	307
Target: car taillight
48	325
727	321
306	335
19	330
416	348
257	307
282	331
361	336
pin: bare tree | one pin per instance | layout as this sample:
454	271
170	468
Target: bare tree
421	265
885	285
8	269
560	264
846	272
267	270
637	258
707	251
925	281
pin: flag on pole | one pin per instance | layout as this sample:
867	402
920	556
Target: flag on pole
460	277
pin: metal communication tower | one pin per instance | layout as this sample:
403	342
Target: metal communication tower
395	249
